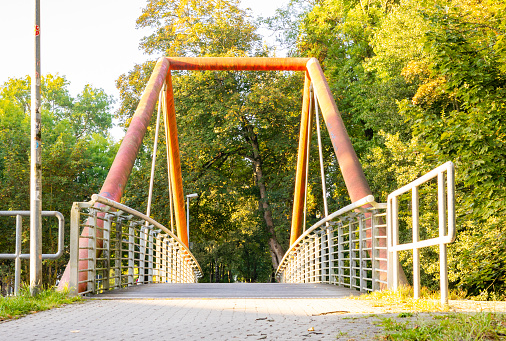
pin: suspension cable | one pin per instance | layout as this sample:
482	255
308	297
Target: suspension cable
153	162
307	155
320	151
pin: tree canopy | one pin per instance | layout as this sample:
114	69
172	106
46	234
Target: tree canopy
76	152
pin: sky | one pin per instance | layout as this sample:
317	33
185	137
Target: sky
89	42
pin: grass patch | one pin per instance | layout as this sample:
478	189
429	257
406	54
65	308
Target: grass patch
16	306
480	326
402	299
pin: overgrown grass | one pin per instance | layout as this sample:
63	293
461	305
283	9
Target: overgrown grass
428	327
402	299
462	327
16	306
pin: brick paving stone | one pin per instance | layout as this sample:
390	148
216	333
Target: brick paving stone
204	318
186	319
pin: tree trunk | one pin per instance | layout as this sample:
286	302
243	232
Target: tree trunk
275	249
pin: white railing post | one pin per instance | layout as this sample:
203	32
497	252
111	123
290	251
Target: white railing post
142	255
317	264
443	266
361	241
158	260
395	242
119	254
324	256
374	250
131	241
92	250
330	245
107	252
351	253
74	249
340	253
150	255
416	237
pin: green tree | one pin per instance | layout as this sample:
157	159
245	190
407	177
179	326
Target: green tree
76	153
420	83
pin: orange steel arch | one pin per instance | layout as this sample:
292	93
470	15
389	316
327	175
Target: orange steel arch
121	168
350	166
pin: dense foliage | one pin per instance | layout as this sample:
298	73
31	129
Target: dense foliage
76	154
421	83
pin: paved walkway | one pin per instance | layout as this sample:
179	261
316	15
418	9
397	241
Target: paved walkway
230	290
179	316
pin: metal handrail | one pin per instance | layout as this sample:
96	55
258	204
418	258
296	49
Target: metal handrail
343	252
17	255
447	231
359	253
353	206
121	239
105	201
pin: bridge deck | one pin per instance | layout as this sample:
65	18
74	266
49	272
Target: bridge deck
229	290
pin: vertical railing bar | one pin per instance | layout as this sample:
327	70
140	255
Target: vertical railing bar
374	248
351	254
131	240
443	266
150	257
92	252
74	249
142	255
360	249
395	241
415	202
17	261
107	246
119	254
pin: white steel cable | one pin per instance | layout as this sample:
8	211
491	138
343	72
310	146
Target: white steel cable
307	156
145	232
153	163
320	151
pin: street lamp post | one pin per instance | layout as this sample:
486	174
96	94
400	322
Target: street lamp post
36	169
188	197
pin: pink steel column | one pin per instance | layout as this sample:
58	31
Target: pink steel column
300	177
351	169
175	164
117	177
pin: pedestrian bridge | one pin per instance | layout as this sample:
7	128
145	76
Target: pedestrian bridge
117	247
227	290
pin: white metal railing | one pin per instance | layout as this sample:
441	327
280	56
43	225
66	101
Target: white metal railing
122	247
353	247
345	248
446	224
17	255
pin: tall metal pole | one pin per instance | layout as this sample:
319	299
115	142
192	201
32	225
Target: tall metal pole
36	170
